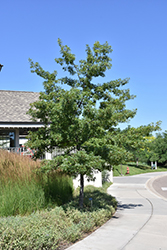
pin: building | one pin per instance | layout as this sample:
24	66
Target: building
14	122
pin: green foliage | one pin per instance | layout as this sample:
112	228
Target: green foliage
79	113
137	141
58	227
78	163
158	149
154	149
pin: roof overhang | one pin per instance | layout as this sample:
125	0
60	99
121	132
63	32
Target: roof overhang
15	125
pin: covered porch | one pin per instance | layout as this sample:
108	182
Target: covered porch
14	136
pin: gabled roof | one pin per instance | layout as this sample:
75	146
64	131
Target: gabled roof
15	104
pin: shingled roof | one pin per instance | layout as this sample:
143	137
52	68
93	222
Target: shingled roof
15	104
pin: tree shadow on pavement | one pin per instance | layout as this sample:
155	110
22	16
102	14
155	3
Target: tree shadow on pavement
128	206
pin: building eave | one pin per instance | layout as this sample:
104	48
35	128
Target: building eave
14	125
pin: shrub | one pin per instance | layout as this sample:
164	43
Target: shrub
37	231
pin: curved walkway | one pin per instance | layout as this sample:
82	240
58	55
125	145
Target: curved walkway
140	221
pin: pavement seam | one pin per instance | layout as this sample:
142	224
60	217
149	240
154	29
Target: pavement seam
152	209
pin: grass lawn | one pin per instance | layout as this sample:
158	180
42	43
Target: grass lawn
133	170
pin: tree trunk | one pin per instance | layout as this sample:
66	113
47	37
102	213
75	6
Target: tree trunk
81	196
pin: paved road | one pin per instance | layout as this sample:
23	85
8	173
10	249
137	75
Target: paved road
140	222
160	186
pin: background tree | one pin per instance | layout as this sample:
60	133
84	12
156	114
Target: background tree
158	149
143	151
80	113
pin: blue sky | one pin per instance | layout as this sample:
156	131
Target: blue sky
136	30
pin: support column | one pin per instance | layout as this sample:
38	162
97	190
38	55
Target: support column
17	137
110	177
48	156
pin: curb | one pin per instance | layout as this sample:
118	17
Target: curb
150	188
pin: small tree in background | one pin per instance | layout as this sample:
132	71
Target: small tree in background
158	149
143	152
82	115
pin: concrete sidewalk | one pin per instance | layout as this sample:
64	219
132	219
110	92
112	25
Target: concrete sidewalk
139	223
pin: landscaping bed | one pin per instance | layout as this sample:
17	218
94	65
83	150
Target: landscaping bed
41	211
59	227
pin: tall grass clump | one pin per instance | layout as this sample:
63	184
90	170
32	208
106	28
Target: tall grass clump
24	189
58	188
